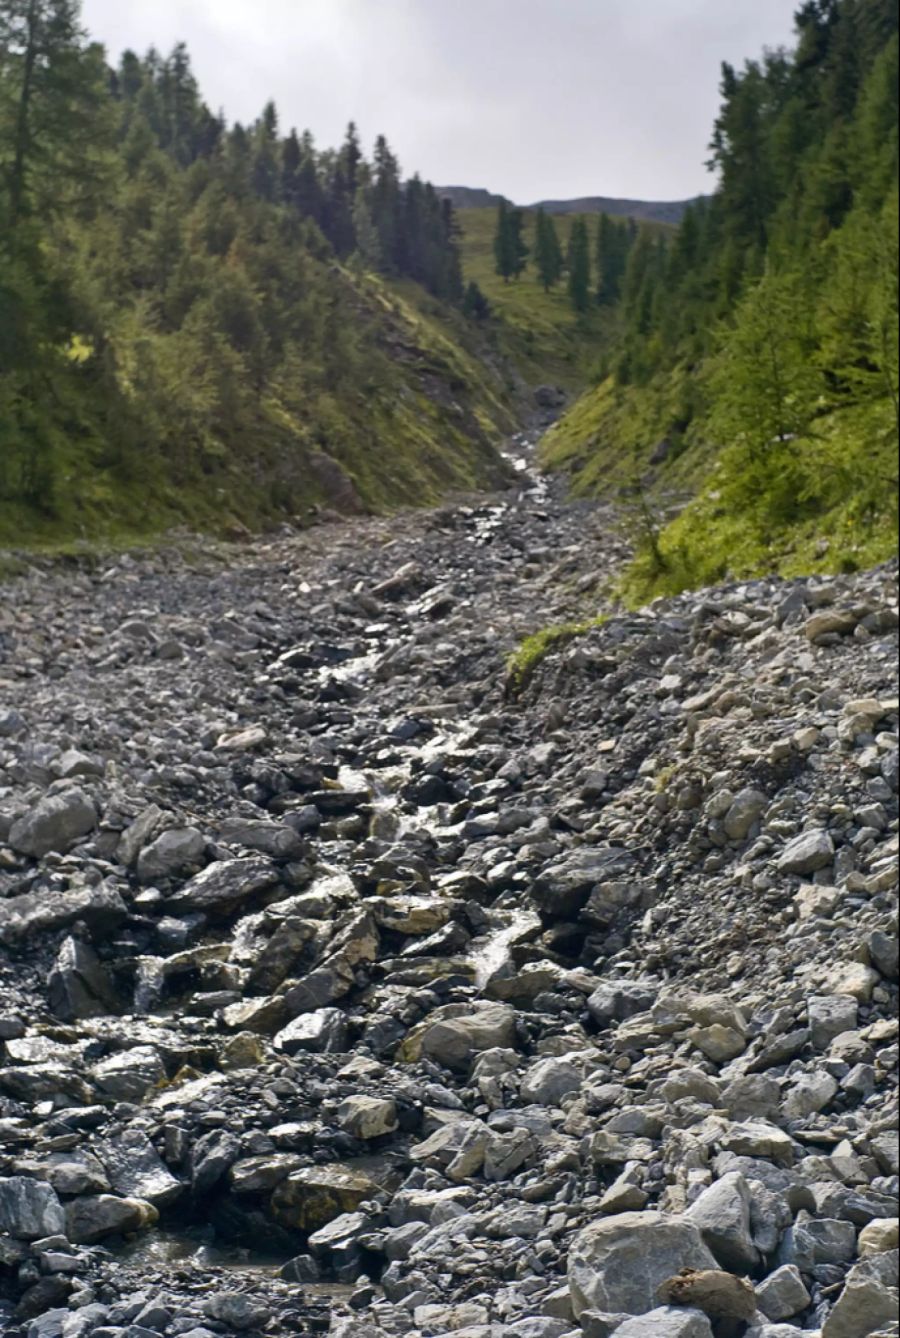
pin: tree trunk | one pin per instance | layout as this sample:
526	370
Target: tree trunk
23	127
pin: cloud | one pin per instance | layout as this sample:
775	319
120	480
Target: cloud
536	98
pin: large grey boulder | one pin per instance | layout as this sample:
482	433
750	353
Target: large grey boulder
92	1219
869	1301
455	1041
136	1170
324	1030
29	1209
618	1265
807	853
57	822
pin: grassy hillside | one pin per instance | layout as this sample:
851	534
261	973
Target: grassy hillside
547	340
212	326
756	366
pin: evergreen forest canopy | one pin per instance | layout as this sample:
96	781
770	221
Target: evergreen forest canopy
757	348
185	302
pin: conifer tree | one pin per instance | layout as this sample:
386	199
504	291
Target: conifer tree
579	266
53	108
548	256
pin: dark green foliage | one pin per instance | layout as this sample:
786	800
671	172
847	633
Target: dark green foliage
172	297
510	248
579	266
475	305
775	305
548	256
614	239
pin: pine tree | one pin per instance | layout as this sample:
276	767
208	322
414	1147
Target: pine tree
548	256
54	119
475	305
579	266
510	248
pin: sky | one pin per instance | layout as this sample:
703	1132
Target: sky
535	99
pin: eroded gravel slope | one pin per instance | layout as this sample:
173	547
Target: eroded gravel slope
344	992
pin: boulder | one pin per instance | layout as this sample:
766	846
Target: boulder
29	1209
223	885
171	853
453	1042
722	1213
99	908
56	823
783	1294
314	1196
618	1265
324	1030
78	985
367	1116
807	853
92	1219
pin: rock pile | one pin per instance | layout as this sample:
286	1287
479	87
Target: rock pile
342	993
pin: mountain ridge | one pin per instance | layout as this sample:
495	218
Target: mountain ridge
655	211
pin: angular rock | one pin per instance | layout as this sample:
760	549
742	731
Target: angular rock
29	1209
223	885
57	822
619	1264
722	1213
90	1220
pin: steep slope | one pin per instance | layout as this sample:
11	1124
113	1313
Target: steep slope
758	358
216	326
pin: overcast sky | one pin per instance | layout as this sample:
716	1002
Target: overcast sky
534	98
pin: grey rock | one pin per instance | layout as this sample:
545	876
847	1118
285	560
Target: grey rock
78	985
667	1322
29	1209
722	1213
172	852
783	1294
324	1030
57	822
222	886
89	1220
100	908
617	1265
830	1015
807	853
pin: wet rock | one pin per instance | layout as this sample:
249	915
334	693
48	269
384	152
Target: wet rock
100	908
79	986
324	1030
223	885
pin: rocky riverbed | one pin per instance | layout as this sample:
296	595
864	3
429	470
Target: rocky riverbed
346	990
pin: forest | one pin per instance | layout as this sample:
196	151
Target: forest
756	353
223	324
196	322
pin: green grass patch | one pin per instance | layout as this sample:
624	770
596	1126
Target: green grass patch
524	662
546	339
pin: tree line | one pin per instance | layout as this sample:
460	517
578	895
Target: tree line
594	268
170	283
